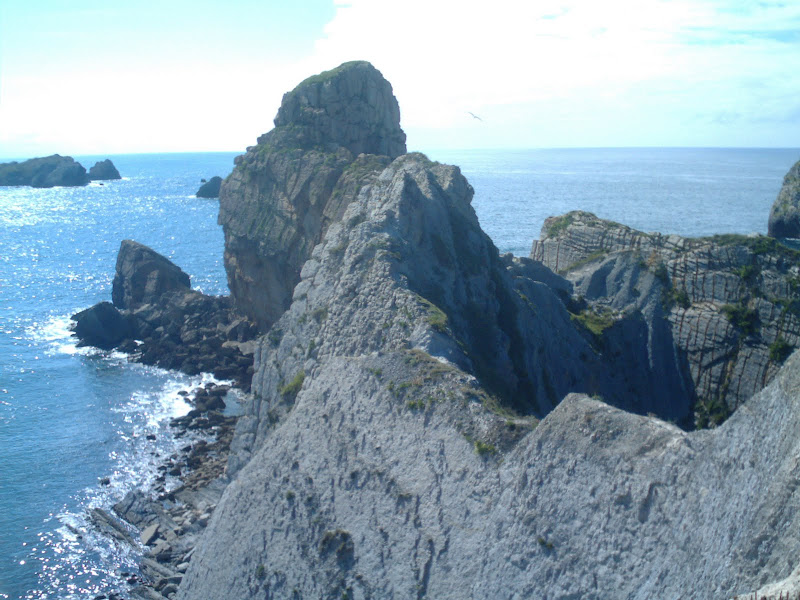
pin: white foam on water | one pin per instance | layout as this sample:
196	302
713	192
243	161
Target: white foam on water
79	561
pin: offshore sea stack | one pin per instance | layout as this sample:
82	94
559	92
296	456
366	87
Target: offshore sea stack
392	448
784	218
104	170
299	167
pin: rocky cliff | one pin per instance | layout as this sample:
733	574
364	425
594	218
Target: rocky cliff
309	167
722	313
392	449
160	320
784	217
393	446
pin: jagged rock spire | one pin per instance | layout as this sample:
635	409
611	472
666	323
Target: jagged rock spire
351	106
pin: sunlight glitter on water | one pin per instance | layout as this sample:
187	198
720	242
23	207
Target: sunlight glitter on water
75	559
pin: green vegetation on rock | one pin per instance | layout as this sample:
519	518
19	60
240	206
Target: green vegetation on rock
779	350
596	321
742	317
290	390
558	226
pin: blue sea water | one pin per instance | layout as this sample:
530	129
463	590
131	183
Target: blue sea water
70	417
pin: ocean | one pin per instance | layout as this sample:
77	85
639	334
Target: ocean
74	422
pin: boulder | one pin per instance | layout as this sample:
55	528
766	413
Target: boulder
210	189
102	326
104	170
44	172
784	217
143	275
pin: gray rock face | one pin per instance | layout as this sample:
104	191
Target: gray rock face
784	217
104	170
391	448
350	106
369	462
722	313
142	275
44	172
210	189
284	193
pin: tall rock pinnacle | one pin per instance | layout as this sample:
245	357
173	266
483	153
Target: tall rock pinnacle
351	106
285	192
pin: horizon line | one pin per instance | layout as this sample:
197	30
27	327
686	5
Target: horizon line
9	158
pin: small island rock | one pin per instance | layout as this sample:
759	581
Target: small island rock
784	217
104	170
210	189
44	172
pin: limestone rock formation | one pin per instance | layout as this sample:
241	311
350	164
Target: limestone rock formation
44	172
104	170
351	106
142	275
358	493
784	217
722	313
286	191
210	189
392	447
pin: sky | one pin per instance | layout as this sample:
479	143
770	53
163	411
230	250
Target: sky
109	77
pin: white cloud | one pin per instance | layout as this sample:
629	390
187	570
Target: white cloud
580	61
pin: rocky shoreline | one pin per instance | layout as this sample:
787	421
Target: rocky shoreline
157	319
163	523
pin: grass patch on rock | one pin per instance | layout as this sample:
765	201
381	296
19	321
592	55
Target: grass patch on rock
291	389
742	317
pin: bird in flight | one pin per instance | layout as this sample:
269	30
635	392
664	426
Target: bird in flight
474	116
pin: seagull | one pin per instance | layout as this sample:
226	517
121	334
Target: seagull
474	116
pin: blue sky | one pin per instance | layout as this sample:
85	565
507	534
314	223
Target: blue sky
92	77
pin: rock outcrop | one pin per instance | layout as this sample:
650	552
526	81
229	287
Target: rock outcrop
721	313
286	191
49	171
160	320
210	188
102	326
104	170
142	275
784	217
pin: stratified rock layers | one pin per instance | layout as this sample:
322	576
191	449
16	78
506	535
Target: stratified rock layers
308	167
142	275
727	307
